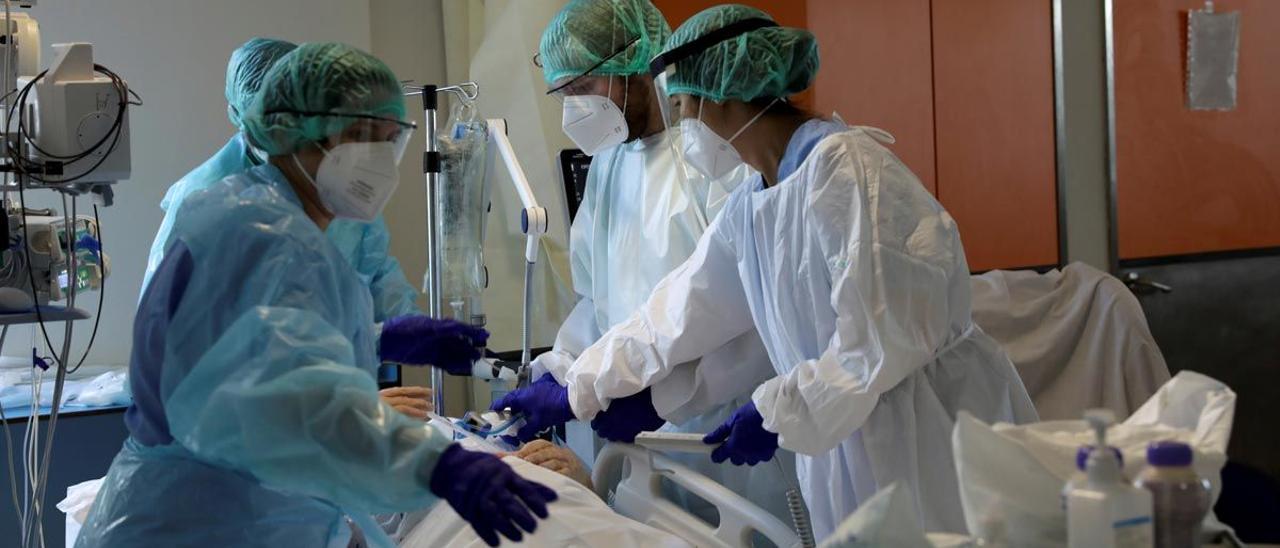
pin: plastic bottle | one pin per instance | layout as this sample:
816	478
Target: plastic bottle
1106	511
1078	479
1180	497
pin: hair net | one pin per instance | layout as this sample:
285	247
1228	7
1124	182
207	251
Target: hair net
248	64
588	31
763	63
313	81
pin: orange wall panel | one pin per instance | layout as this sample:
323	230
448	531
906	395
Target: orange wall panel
877	71
788	13
993	109
1195	181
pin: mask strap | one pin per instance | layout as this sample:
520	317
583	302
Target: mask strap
701	101
298	163
753	119
626	93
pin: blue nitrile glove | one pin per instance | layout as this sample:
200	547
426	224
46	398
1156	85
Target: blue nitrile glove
422	340
544	404
745	441
488	494
627	417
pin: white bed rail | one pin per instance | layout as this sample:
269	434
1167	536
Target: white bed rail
638	495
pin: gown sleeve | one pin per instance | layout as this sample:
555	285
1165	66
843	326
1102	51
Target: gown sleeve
698	307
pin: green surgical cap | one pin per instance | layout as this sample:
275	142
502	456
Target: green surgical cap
587	31
304	94
248	64
763	63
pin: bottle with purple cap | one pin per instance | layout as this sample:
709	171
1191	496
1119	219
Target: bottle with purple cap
1079	479
1180	497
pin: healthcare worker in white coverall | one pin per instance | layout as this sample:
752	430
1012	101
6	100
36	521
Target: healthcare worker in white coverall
642	215
849	269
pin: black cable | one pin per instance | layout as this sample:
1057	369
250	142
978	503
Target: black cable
6	96
121	90
31	276
102	291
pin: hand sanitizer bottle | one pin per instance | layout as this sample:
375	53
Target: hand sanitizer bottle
1106	511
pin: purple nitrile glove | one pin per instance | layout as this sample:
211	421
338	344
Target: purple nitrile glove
627	417
422	340
544	404
487	493
743	438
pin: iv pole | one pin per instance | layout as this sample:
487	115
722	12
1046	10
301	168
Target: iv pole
431	169
533	221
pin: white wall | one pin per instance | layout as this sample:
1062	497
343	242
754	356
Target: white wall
174	54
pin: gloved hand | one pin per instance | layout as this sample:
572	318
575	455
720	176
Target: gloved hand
489	494
745	441
422	340
544	404
627	417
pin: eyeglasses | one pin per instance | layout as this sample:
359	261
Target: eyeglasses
587	72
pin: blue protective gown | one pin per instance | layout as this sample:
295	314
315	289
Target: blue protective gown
365	245
256	419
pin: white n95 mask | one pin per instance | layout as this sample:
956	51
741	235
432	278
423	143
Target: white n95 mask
356	180
593	123
710	154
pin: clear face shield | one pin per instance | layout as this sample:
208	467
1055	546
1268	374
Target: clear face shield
377	129
365	128
359	170
668	105
666	64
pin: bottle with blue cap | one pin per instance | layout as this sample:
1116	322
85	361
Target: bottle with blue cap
1106	511
1181	497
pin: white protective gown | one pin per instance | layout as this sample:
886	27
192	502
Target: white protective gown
855	278
638	220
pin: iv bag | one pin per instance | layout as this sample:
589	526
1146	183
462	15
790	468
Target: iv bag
464	200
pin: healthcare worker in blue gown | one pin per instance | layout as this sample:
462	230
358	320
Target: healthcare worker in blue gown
364	244
256	418
852	273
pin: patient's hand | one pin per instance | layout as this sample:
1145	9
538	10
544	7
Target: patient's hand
556	459
414	401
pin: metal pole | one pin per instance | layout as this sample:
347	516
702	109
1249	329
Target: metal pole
431	167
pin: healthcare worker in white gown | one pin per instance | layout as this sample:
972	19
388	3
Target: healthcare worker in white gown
641	216
849	269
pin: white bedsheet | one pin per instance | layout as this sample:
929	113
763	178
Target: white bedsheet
578	519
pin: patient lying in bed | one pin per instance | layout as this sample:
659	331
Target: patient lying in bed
578	518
